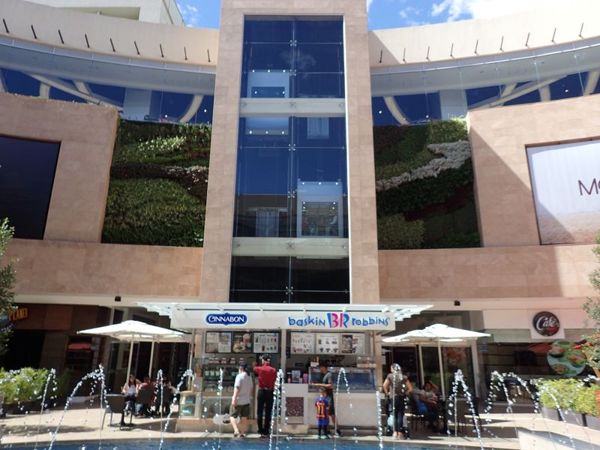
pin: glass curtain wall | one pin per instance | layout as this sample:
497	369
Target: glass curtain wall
290	242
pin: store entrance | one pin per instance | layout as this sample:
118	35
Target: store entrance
24	350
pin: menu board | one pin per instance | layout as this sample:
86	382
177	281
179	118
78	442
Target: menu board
328	343
266	342
218	342
242	342
352	344
302	343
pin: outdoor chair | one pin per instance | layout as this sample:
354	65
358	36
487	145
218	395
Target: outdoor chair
115	405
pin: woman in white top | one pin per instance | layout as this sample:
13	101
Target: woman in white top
130	391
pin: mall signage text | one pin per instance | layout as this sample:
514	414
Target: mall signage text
292	320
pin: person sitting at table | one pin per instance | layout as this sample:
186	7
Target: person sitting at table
130	389
430	386
426	403
145	397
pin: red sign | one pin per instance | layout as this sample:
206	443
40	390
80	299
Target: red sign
546	323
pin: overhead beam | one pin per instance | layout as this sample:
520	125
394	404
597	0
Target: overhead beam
395	110
71	90
192	109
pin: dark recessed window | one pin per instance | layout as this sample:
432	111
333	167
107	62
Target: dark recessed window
27	170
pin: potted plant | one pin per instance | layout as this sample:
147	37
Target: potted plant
585	402
23	389
549	406
558	395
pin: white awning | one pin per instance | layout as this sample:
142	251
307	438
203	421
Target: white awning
285	316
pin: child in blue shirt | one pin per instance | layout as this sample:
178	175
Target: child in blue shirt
322	405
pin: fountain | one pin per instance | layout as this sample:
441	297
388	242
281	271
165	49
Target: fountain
96	374
187	373
459	380
276	411
498	389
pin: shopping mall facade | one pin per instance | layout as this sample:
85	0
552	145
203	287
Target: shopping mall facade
295	92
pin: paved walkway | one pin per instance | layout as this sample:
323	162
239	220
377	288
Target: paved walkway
84	424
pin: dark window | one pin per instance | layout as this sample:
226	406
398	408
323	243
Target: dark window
26	177
289	280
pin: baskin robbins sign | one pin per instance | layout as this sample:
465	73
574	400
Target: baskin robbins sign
340	321
286	320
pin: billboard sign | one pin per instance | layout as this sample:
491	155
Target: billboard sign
566	190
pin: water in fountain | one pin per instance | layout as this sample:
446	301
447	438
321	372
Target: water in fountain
51	376
220	401
554	396
498	382
95	375
379	426
159	392
276	411
187	373
343	378
459	381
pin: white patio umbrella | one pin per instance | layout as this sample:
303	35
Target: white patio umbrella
437	333
133	331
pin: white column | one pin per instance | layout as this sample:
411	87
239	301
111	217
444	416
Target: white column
129	361
476	372
442	374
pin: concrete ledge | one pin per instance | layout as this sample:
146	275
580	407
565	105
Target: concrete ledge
573	437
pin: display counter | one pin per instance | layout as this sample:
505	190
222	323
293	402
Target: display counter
356	409
298	354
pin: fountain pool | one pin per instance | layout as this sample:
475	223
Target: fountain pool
246	444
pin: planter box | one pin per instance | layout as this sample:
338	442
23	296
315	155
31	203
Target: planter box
574	418
550	413
26	407
593	422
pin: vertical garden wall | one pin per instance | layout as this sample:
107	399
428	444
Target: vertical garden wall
157	193
425	195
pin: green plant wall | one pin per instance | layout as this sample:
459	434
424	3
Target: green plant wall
157	192
159	176
434	210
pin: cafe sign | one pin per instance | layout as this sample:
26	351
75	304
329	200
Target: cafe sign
546	324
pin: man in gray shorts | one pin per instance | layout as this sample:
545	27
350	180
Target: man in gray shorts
240	401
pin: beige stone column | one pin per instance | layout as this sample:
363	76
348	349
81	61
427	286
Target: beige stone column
220	204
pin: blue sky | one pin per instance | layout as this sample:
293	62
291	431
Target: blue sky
390	13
